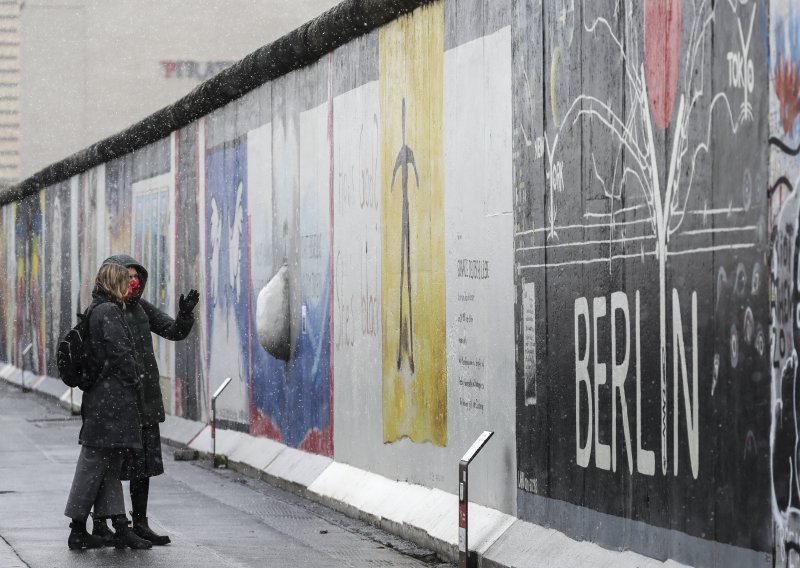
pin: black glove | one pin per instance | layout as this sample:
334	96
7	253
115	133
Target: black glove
187	304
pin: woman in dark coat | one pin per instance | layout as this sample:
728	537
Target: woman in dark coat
110	413
144	319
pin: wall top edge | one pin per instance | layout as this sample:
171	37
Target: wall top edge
299	48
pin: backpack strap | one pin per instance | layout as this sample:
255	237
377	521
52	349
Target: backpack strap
87	314
86	340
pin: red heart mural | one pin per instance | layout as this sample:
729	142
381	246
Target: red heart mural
662	54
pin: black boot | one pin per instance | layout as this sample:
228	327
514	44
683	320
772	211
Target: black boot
125	537
79	538
100	528
143	530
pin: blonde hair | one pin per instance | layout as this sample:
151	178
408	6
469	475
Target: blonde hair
113	280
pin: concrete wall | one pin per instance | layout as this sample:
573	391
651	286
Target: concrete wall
548	220
641	249
784	213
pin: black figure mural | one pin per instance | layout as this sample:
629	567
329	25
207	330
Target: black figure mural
405	158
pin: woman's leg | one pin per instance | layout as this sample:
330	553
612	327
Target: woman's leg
89	474
140	491
146	463
110	501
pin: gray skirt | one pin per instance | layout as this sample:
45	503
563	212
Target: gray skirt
146	462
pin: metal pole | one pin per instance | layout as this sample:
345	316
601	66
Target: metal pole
463	498
463	514
24	354
214	396
213	429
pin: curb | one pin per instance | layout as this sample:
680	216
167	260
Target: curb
425	516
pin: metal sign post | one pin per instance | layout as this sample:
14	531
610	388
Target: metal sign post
24	354
463	498
214	396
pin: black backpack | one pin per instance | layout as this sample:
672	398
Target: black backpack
72	357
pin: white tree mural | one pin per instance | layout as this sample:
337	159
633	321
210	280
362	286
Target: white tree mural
654	78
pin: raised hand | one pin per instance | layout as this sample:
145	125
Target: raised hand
187	304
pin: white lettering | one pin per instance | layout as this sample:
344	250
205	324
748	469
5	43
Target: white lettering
587	342
645	459
582	453
602	452
690	409
619	371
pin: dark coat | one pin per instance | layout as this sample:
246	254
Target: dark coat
111	407
144	318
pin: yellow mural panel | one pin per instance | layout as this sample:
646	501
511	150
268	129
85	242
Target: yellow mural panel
412	215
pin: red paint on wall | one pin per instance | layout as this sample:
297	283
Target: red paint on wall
319	442
261	425
662	54
787	91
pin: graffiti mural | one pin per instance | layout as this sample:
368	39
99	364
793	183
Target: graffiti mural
5	289
227	300
571	222
311	366
265	391
357	334
118	208
653	243
9	214
58	284
412	220
7	282
292	399
479	245
154	247
29	322
189	388
784	290
88	257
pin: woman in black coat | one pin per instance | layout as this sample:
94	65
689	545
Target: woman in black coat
143	320
110	413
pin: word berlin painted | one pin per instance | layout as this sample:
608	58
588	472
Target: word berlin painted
590	377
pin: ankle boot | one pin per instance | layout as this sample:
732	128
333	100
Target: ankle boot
143	530
79	538
125	537
100	528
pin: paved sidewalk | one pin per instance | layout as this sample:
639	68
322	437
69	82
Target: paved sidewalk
9	558
215	517
426	516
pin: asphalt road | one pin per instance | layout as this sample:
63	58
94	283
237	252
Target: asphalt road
215	517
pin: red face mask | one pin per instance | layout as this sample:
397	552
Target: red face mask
134	288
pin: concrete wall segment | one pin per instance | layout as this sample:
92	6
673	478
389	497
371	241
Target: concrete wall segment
540	219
